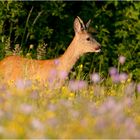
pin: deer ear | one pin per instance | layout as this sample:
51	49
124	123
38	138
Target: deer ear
88	23
78	25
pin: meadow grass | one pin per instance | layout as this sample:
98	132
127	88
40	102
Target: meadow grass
107	108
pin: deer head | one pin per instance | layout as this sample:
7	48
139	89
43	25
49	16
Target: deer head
85	41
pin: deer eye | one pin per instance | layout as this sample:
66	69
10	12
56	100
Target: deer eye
88	38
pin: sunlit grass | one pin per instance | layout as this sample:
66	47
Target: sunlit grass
75	110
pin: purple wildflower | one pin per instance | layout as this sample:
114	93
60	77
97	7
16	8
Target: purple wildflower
53	73
115	78
2	88
56	62
37	124
122	59
82	84
138	87
76	85
95	77
123	77
113	71
73	85
52	76
22	84
52	107
109	104
130	124
52	122
26	108
63	75
74	113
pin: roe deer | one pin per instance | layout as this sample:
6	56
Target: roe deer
16	67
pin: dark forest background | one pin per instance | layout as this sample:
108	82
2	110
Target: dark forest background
44	29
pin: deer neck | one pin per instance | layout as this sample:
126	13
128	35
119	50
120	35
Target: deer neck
69	58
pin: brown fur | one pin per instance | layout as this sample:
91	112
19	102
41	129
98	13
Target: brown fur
16	67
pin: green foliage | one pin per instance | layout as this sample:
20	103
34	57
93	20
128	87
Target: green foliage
116	22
